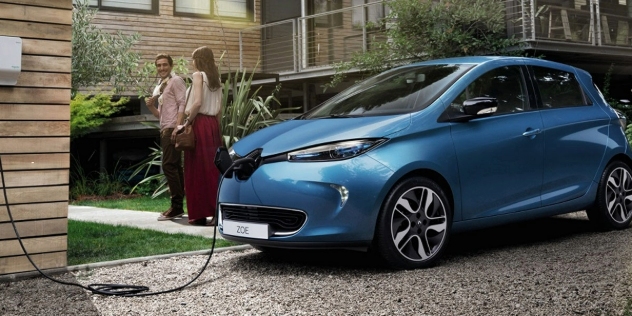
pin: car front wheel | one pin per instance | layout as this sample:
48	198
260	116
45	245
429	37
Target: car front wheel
613	206
414	225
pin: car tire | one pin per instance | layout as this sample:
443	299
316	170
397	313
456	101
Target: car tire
414	225
612	208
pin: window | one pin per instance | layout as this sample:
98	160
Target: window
506	84
398	91
232	9
141	6
558	88
369	14
322	6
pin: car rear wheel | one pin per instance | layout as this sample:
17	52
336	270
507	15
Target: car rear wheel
613	206
414	225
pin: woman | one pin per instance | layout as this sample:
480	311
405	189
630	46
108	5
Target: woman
201	177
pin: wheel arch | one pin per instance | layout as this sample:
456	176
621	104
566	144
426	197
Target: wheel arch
430	174
621	157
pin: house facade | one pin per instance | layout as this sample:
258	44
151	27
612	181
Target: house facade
297	41
34	134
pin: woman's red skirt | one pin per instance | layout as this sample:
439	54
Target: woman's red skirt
201	177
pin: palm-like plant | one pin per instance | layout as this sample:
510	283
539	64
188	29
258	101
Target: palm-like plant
245	113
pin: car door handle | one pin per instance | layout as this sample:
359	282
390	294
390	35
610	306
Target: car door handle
531	132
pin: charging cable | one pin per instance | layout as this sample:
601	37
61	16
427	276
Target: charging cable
108	289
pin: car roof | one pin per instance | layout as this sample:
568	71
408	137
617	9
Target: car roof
486	59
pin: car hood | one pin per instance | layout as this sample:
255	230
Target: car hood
295	134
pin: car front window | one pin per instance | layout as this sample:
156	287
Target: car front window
402	90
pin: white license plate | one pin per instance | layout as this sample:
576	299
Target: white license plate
248	230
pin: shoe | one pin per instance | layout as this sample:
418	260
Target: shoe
213	222
170	214
198	222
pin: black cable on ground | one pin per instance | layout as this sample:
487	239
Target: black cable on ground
102	289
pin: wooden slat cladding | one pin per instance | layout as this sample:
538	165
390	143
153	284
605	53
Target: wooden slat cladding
36	30
43	79
34	96
57	226
36	177
35	195
46	63
34	135
35	14
35	112
43	261
60	4
42	47
23	212
20	129
179	35
35	145
34	245
35	161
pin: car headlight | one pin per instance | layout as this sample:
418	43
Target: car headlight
334	151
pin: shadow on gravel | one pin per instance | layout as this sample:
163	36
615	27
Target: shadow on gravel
547	230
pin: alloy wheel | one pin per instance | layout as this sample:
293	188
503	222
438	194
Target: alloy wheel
418	224
618	195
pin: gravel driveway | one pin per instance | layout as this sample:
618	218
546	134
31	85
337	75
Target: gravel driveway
555	266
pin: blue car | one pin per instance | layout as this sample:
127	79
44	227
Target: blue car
399	162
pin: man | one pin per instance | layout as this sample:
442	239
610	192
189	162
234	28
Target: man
167	104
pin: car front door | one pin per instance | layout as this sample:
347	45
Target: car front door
500	156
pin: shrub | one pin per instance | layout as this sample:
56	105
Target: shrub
87	113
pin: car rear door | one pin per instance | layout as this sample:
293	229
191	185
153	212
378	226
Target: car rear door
575	134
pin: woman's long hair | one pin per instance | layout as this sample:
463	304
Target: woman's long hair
205	61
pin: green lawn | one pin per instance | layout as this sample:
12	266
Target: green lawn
138	203
92	242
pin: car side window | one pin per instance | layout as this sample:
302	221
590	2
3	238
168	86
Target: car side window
506	84
558	88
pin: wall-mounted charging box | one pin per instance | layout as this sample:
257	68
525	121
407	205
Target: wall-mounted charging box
10	60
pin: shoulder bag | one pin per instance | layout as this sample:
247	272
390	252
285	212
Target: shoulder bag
185	137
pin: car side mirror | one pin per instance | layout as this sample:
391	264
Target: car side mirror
480	106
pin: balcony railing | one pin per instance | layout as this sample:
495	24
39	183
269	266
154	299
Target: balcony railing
318	41
592	22
315	41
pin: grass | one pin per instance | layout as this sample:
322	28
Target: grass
138	203
93	242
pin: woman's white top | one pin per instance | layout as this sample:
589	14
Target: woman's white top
211	100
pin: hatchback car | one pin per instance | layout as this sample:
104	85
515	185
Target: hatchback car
400	161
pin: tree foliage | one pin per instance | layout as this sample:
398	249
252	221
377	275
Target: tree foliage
423	30
97	56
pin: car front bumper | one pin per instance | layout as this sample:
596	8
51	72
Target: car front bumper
314	189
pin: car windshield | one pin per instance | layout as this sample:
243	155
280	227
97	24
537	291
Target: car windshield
398	91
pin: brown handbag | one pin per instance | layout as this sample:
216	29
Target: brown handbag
185	138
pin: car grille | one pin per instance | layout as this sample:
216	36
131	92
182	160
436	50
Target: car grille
282	221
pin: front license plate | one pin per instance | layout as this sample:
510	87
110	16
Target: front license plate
248	230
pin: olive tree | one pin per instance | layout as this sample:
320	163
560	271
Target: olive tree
97	56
